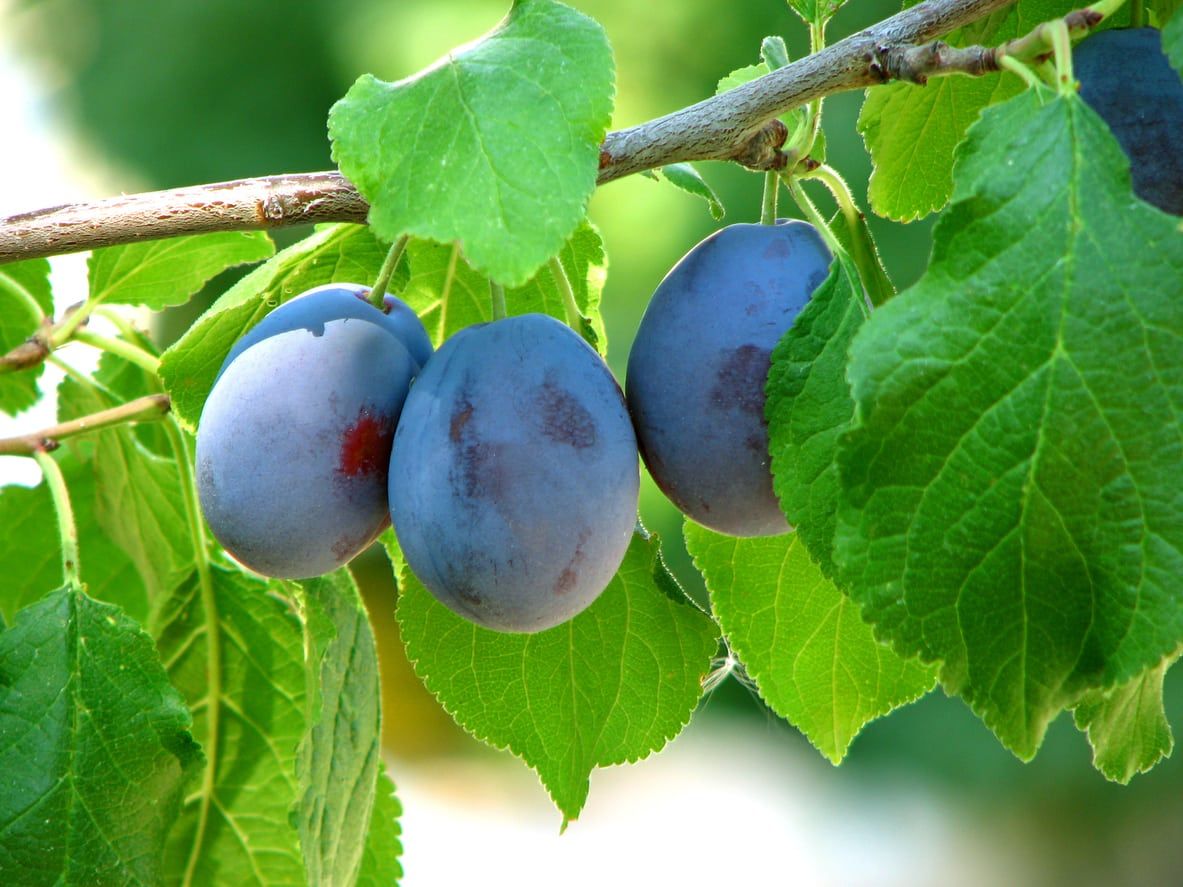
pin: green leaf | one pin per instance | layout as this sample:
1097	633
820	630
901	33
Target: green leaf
808	407
611	686
96	750
690	180
346	253
235	651
1010	495
30	555
1127	726
495	146
1172	41
380	863
160	273
911	131
816	12
25	299
448	294
814	661
1162	13
341	753
773	52
138	493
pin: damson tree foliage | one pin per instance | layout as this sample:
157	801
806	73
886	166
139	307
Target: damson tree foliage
980	474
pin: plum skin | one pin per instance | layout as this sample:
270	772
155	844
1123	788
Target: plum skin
294	440
697	368
514	475
1128	81
336	301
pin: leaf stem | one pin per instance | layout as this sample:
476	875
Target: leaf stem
811	213
209	607
129	352
67	528
142	409
64	331
1061	41
389	266
497	296
831	178
8	284
574	317
1012	64
771	191
126	328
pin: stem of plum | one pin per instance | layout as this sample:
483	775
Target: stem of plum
393	257
497	296
67	528
771	191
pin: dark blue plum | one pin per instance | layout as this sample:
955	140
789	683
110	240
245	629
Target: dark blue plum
697	369
336	301
293	446
1125	77
514	475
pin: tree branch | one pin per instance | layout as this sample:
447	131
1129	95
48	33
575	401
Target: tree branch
731	126
142	409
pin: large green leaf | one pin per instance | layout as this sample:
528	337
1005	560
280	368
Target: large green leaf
808	407
341	754
1011	503
610	686
347	253
24	287
448	294
160	273
1172	41
30	557
494	147
1127	726
911	131
234	649
139	502
814	661
96	748
380	865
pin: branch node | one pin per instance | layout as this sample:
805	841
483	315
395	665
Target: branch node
763	150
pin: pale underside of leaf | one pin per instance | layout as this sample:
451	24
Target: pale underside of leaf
813	659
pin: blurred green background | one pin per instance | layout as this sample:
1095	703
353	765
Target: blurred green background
168	94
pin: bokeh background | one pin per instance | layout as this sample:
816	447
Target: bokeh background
99	97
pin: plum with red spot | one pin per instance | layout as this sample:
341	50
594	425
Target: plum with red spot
294	442
514	474
698	365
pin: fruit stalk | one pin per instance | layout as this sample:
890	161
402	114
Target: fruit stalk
389	265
